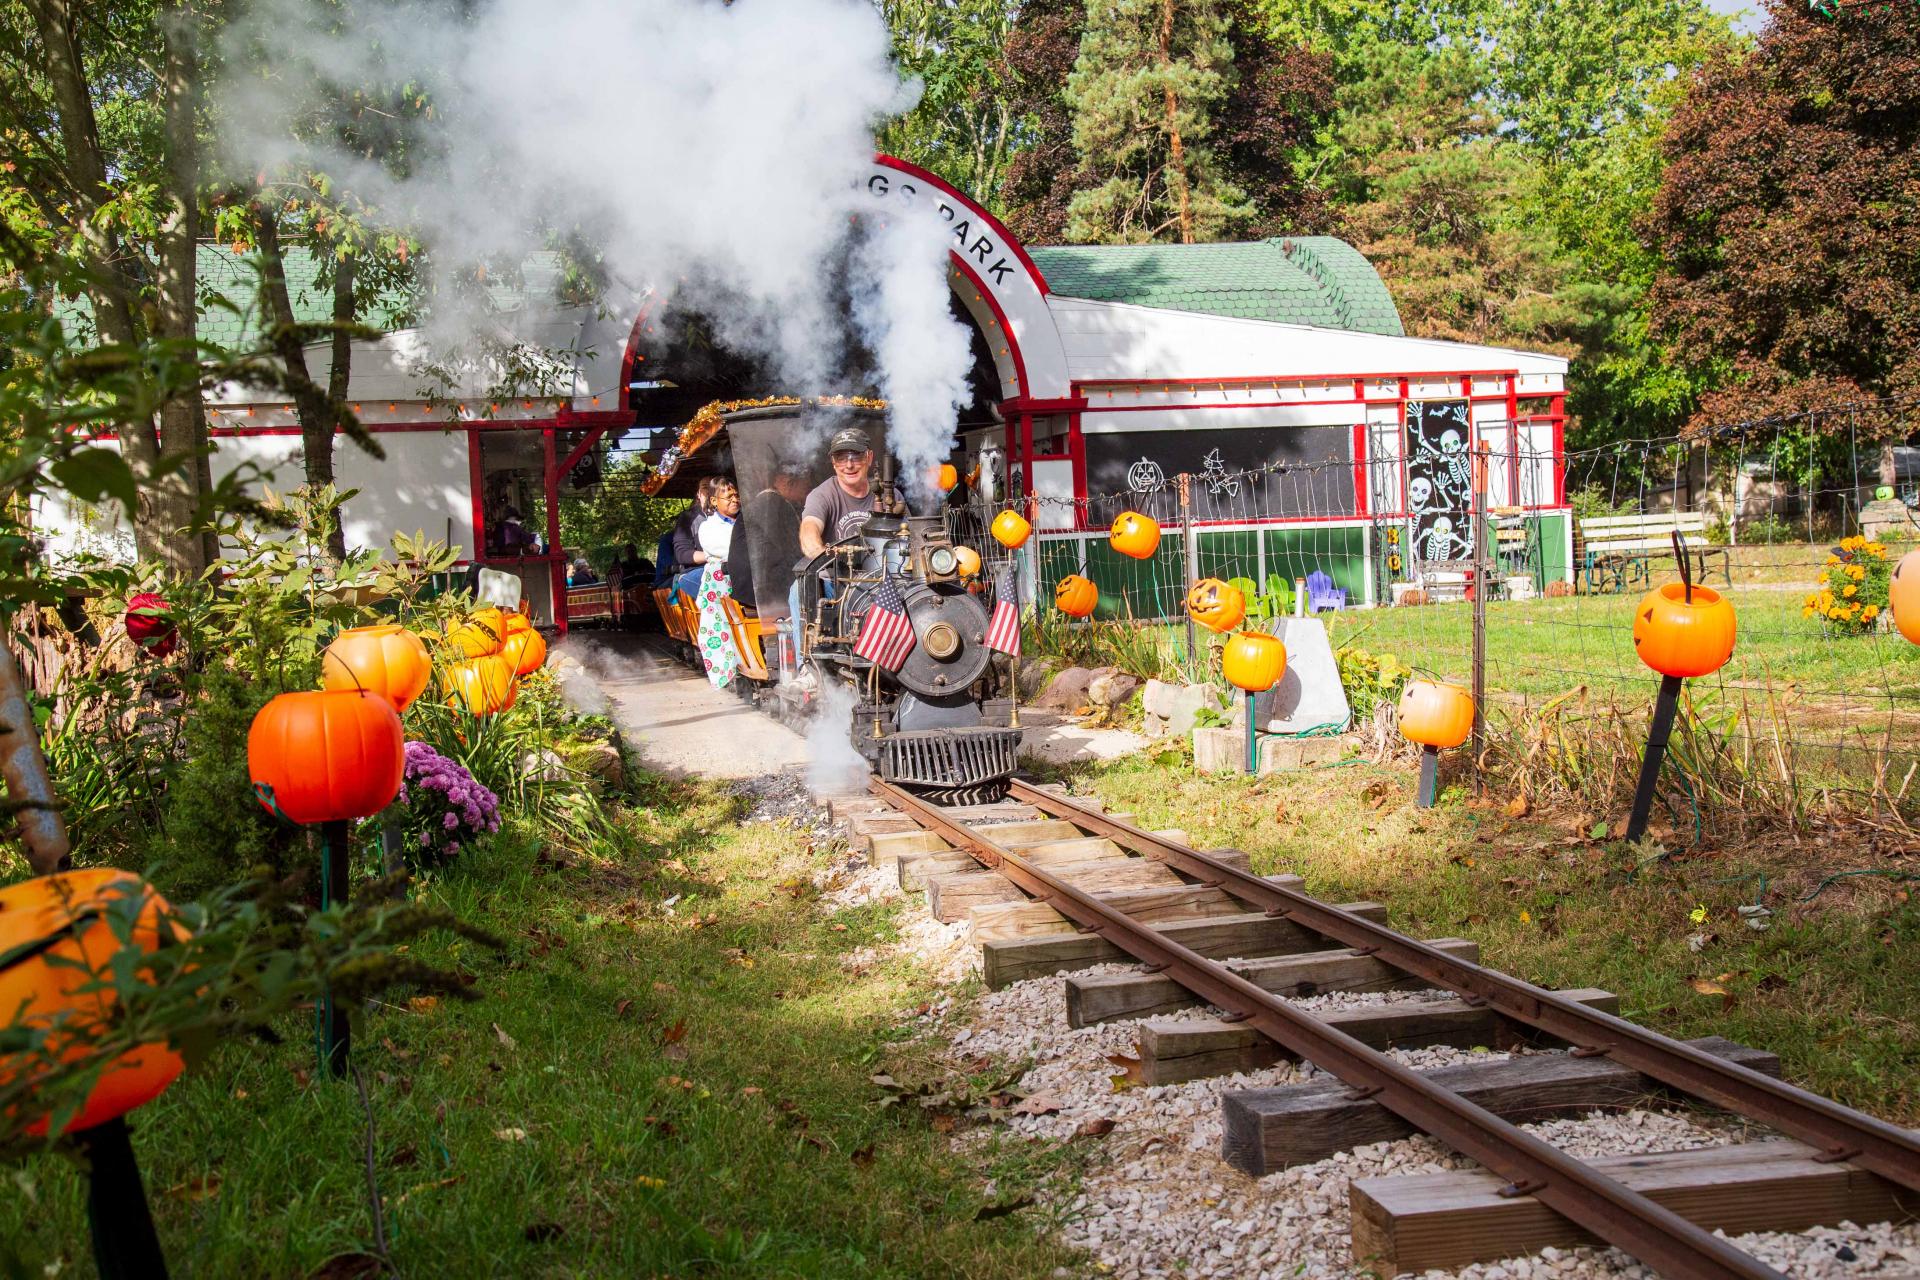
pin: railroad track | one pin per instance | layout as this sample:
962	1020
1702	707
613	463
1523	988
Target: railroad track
1051	886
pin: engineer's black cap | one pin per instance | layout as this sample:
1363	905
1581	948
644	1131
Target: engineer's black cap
849	440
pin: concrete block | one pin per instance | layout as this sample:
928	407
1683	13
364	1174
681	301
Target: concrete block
1309	694
1169	709
1225	751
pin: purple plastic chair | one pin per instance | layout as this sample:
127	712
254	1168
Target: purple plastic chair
1322	594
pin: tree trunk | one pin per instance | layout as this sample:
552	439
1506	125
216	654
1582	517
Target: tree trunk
183	417
310	402
339	371
1177	165
108	287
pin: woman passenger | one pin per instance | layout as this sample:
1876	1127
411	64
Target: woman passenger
716	532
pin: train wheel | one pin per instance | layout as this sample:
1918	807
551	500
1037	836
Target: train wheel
955	797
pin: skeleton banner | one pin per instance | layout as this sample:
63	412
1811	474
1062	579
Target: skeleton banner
1439	479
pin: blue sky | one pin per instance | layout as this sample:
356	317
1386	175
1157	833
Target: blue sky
1747	12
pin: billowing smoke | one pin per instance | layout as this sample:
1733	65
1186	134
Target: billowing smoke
703	150
832	763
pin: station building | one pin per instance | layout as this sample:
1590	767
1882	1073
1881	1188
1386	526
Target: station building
1274	375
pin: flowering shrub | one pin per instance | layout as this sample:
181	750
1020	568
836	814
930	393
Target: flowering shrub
444	806
1853	587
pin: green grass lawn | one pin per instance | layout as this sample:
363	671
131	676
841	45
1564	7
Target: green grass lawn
1832	985
632	1095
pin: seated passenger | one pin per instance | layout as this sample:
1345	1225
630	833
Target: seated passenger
716	533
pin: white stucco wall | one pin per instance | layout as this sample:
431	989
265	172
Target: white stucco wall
422	485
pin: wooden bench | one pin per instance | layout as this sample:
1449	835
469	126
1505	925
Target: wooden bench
746	640
599	600
1618	551
670	614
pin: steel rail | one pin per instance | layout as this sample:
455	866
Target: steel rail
1650	1232
1838	1132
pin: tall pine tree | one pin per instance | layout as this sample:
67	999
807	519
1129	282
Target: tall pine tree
1150	81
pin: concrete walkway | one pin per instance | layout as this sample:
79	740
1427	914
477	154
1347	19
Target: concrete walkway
678	723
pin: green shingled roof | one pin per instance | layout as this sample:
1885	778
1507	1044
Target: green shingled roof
1314	280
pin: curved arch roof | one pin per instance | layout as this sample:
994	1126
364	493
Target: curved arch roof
1310	280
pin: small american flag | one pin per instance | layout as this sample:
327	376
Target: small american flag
1003	633
886	635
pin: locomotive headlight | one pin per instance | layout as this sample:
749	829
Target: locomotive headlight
942	561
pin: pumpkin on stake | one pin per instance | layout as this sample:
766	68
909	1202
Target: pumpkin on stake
1438	717
1903	596
1679	630
1253	662
1075	596
58	957
327	757
487	686
1218	606
1011	530
389	661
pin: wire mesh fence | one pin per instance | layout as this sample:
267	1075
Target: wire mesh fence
1799	521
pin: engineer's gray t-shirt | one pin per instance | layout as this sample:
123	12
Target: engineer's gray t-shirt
839	514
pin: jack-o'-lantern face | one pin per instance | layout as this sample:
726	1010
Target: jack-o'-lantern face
1075	596
1216	605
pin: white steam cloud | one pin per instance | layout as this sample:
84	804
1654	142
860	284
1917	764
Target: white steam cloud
704	150
832	764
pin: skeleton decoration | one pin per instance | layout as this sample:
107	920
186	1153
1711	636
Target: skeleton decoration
1214	472
1145	476
1439	479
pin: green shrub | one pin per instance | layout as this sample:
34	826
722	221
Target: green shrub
212	831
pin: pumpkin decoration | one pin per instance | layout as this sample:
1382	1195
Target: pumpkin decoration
386	660
1678	636
966	562
1434	714
1903	596
1075	596
1011	530
150	624
56	929
486	685
326	756
1135	535
481	634
1253	661
945	477
1216	605
525	649
516	622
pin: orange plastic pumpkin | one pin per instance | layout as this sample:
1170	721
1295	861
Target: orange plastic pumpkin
944	477
486	685
1903	596
1011	530
1135	535
1075	596
1677	637
516	622
966	561
386	660
524	650
56	925
1434	714
481	634
326	756
1216	605
1254	661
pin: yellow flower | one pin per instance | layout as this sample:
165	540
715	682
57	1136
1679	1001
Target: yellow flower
1871	612
1698	915
1849	590
1833	614
1807	612
1878	548
1856	571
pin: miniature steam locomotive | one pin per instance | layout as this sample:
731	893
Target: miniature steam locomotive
934	725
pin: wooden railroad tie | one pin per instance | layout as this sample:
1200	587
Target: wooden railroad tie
1221	937
1266	1130
1449	1220
1095	998
999	922
1171	1052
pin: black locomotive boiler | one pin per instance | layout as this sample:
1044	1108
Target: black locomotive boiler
935	725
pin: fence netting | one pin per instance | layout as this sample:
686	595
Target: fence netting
1800	521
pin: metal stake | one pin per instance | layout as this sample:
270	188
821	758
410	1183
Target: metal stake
333	1036
125	1245
1429	777
1253	740
1662	729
